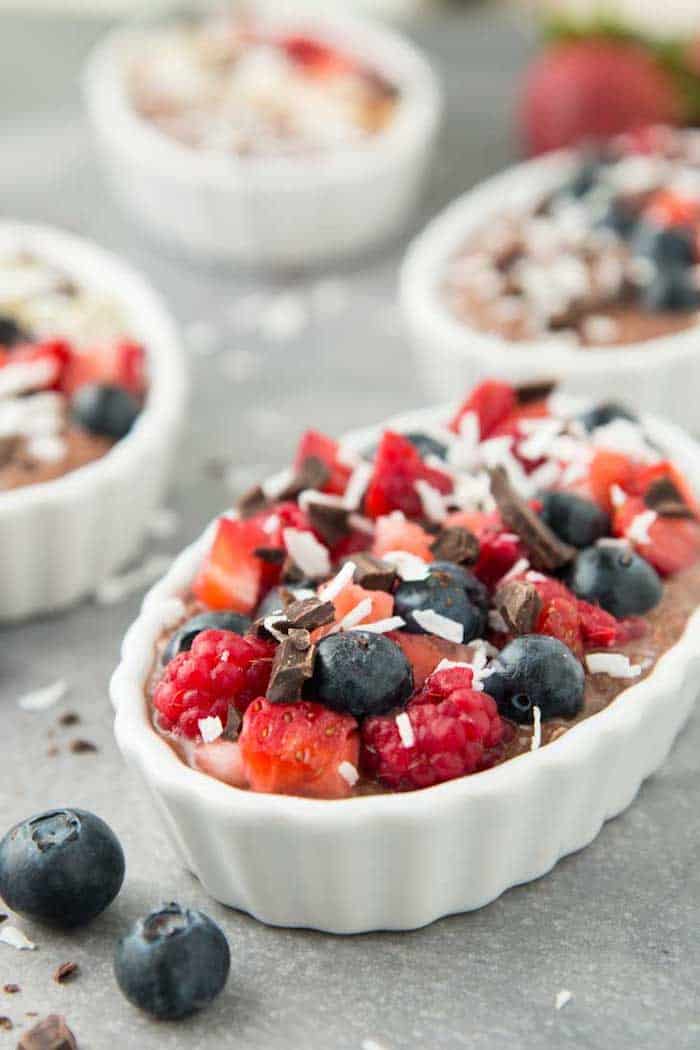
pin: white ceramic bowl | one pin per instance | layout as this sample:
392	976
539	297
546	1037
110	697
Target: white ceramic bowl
60	539
270	211
660	375
399	861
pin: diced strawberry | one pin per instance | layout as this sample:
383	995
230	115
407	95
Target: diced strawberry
559	619
425	651
351	596
674	543
313	443
231	575
316	57
298	749
273	521
669	208
222	760
606	469
498	553
122	363
393	532
57	352
510	425
491	402
397	467
353	543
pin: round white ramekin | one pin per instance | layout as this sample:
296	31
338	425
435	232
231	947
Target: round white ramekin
400	861
60	539
271	211
660	375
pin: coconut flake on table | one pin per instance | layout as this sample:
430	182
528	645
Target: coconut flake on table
563	997
616	665
536	740
638	529
349	773
44	698
210	729
332	589
409	566
432	501
441	626
403	724
307	552
122	585
16	939
357	483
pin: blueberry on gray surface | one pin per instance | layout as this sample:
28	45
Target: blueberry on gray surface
63	867
536	671
361	673
181	640
476	591
673	288
103	409
575	520
11	333
173	962
665	247
604	413
442	594
615	577
274	599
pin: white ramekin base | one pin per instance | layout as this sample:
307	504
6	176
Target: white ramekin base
61	539
401	861
660	376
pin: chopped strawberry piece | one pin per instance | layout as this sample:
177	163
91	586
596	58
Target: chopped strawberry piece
353	543
607	469
425	651
351	596
491	402
316	57
222	760
313	443
510	425
668	208
56	352
394	532
397	468
122	363
231	575
298	749
273	521
674	543
559	618
498	553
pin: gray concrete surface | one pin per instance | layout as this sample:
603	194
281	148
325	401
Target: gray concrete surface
616	925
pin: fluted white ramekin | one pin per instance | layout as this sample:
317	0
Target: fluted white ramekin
660	375
399	861
271	211
60	539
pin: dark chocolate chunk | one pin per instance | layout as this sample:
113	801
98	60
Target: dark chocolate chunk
312	474
308	614
456	544
292	666
330	521
545	550
538	390
6	1024
271	555
70	718
11	989
50	1034
519	604
251	502
82	747
65	972
667	500
291	573
3	918
372	573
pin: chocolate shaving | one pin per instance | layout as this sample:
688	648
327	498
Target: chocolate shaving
82	747
308	614
330	522
50	1034
538	390
519	604
6	1024
70	718
456	544
372	573
545	550
312	474
291	573
65	972
292	666
667	500
251	502
271	555
11	989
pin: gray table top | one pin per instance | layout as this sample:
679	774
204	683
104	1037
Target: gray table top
615	924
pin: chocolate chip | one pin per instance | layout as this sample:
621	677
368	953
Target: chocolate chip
667	500
291	573
11	989
519	604
82	747
545	550
456	544
372	573
251	502
312	474
6	1024
65	972
3	918
271	555
50	1034
308	614
538	390
292	666
70	718
330	521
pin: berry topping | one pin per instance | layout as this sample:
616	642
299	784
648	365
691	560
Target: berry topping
425	445
670	544
575	520
172	962
425	652
491	402
666	247
221	670
299	749
181	640
62	867
446	731
394	532
361	673
613	576
441	594
315	445
104	409
536	671
231	574
397	468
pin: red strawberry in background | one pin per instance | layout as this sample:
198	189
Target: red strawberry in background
593	89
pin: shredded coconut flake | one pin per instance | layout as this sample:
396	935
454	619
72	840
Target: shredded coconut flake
16	939
617	665
210	728
519	569
638	530
563	997
536	740
270	622
348	773
447	665
355	488
403	724
617	496
332	589
120	586
42	699
442	626
354	617
391	623
409	566
432	501
306	551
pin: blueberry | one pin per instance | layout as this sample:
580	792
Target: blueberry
443	595
672	246
536	671
181	640
361	673
10	332
476	592
620	218
173	962
274	599
104	409
615	577
673	288
426	445
575	520
62	867
604	413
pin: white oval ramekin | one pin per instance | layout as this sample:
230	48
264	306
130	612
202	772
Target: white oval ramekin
660	375
400	861
60	539
271	211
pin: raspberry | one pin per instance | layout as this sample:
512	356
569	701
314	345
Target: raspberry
299	749
498	553
454	727
397	468
220	670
